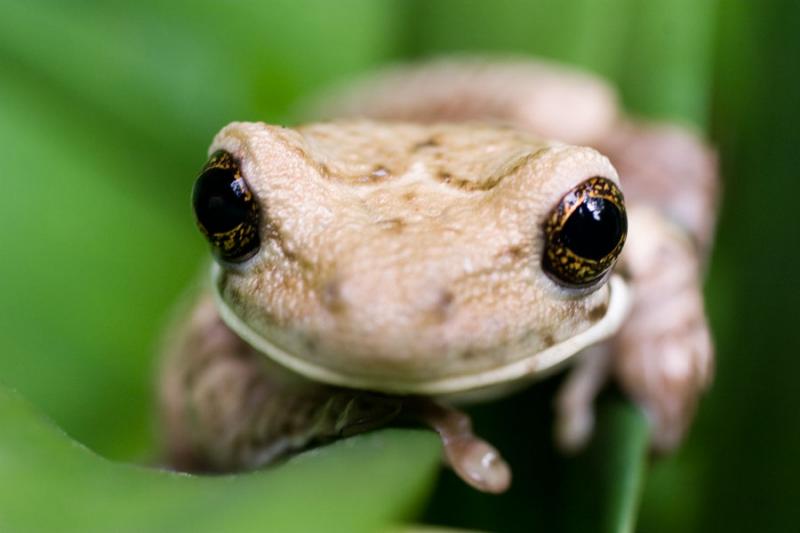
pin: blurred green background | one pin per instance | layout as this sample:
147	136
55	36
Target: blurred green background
106	110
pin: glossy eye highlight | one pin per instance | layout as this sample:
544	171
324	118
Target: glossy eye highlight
225	209
585	232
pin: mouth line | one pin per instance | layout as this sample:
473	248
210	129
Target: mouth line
533	365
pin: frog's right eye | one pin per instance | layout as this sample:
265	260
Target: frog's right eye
225	209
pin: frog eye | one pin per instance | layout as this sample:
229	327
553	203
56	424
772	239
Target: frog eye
585	232
225	209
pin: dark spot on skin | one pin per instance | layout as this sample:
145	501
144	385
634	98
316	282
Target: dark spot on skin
300	152
467	185
293	255
431	142
331	297
409	196
468	354
311	344
324	170
379	172
290	255
489	182
598	312
446	298
443	306
515	252
393	225
548	340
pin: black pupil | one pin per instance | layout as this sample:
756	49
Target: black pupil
219	201
594	229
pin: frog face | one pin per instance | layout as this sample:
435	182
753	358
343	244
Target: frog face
426	259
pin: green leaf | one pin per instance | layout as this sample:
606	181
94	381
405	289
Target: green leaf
51	483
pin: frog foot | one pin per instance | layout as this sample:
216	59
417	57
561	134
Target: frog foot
473	459
666	373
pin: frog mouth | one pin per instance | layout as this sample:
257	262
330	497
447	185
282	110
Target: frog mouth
525	368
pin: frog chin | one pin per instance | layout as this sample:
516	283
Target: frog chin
483	382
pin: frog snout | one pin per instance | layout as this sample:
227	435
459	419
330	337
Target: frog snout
365	302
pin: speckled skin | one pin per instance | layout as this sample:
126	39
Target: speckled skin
414	249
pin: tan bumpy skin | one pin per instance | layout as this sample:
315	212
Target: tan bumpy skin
400	268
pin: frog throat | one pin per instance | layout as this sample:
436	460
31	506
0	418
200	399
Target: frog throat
528	367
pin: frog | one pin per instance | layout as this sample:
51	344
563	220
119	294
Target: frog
440	234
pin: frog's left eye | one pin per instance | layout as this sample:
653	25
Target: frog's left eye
585	232
226	211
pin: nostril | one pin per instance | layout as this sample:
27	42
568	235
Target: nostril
442	307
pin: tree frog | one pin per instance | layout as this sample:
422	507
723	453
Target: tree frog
442	233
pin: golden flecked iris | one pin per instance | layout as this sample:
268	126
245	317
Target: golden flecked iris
226	210
604	230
